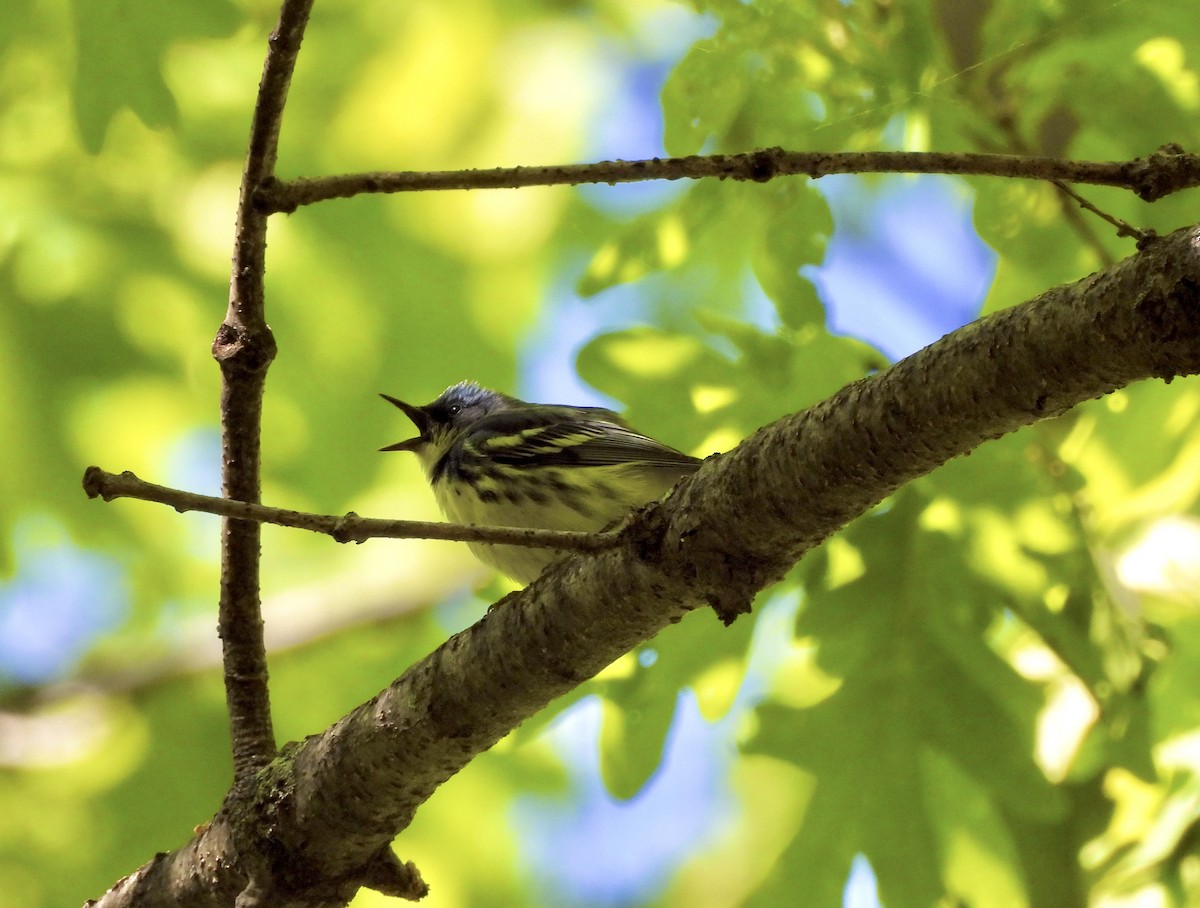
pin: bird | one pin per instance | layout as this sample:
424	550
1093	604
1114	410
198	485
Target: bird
494	460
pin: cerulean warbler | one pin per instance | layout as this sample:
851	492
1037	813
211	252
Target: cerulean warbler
494	460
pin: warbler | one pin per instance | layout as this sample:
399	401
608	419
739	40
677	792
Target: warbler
498	461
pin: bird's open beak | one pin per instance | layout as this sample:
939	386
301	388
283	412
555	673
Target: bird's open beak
420	420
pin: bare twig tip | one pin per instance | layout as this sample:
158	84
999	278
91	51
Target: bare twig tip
93	478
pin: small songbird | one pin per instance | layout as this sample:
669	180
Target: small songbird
494	460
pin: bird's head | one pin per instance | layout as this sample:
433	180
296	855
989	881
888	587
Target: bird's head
442	422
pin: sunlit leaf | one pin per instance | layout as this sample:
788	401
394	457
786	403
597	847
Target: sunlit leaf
120	44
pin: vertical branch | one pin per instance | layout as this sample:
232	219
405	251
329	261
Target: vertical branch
244	348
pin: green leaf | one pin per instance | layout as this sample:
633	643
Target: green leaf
700	99
926	710
119	49
663	240
795	237
698	653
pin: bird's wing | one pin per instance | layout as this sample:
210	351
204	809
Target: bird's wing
571	437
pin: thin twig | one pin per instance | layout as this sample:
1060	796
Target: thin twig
345	528
1167	170
1124	228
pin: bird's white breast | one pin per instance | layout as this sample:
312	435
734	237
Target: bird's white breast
585	500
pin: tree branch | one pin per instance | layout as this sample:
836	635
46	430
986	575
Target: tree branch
1167	170
244	348
346	528
333	802
1123	228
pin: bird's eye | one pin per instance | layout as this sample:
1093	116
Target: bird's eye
454	409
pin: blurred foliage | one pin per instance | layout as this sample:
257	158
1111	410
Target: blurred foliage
990	690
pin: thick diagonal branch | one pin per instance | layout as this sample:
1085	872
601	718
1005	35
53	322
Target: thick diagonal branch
337	799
